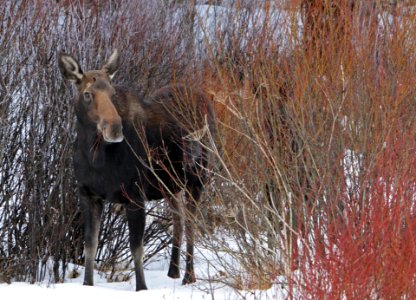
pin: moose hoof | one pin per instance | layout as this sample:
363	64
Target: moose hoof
173	272
188	279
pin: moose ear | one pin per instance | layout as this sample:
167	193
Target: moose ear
70	68
112	65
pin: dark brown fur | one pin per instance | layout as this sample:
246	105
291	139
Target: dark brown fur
130	150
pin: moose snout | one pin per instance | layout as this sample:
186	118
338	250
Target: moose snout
112	131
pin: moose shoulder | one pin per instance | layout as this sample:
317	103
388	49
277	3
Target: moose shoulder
129	150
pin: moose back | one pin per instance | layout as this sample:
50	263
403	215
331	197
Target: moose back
131	149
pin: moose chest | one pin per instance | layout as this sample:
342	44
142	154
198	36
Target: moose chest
108	171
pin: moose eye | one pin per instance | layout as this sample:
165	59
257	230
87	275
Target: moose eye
87	97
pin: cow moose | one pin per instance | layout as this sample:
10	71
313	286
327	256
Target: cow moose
130	149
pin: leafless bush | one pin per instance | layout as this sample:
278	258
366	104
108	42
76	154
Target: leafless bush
39	214
296	125
305	93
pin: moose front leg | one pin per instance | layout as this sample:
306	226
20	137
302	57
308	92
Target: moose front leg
91	210
136	219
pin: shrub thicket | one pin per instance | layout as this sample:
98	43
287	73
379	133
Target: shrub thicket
314	154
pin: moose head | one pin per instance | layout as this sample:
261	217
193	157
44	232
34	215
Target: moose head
95	93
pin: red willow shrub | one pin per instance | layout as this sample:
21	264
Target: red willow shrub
307	135
369	249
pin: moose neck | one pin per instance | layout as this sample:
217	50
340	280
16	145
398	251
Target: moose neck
92	145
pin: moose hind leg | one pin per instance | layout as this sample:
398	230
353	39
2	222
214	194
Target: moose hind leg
175	207
192	198
91	210
136	219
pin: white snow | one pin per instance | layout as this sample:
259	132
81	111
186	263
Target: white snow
160	286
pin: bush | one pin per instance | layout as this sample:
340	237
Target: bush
39	209
314	176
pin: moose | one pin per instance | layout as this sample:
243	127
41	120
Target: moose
130	149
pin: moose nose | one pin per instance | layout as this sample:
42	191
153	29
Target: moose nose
116	129
112	133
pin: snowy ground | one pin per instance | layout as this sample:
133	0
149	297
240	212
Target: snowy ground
159	287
